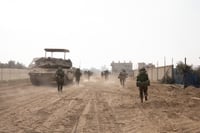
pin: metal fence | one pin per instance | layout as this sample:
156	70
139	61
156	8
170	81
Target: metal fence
7	74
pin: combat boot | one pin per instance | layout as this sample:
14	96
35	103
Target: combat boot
146	98
141	99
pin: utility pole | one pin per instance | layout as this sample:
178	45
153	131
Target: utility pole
185	60
157	70
184	74
1	72
80	64
164	67
172	70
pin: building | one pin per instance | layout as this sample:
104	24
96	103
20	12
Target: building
143	65
117	67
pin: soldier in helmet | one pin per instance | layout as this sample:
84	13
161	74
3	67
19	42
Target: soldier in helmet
60	74
106	74
122	77
143	83
88	74
102	74
78	75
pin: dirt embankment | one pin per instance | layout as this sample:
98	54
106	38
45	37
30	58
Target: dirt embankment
98	106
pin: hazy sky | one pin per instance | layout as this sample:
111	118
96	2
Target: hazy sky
98	32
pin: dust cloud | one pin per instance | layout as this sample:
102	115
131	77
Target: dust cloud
98	106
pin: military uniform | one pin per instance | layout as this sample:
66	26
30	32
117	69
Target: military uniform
106	74
122	77
143	83
78	75
102	74
60	74
89	74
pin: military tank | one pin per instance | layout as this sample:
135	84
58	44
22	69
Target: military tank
43	69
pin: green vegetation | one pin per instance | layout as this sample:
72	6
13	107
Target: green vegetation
12	64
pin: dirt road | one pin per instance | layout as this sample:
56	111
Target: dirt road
98	106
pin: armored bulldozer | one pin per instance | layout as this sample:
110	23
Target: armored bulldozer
43	69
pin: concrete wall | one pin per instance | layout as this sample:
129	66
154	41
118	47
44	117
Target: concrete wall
156	74
117	67
7	74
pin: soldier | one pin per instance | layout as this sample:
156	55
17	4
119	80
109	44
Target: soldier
143	83
102	74
122	77
89	74
60	74
106	74
78	75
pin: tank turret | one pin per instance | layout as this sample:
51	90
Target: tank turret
43	69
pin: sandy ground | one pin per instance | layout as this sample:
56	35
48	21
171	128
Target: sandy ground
98	106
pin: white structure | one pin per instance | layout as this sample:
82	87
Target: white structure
117	67
143	65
